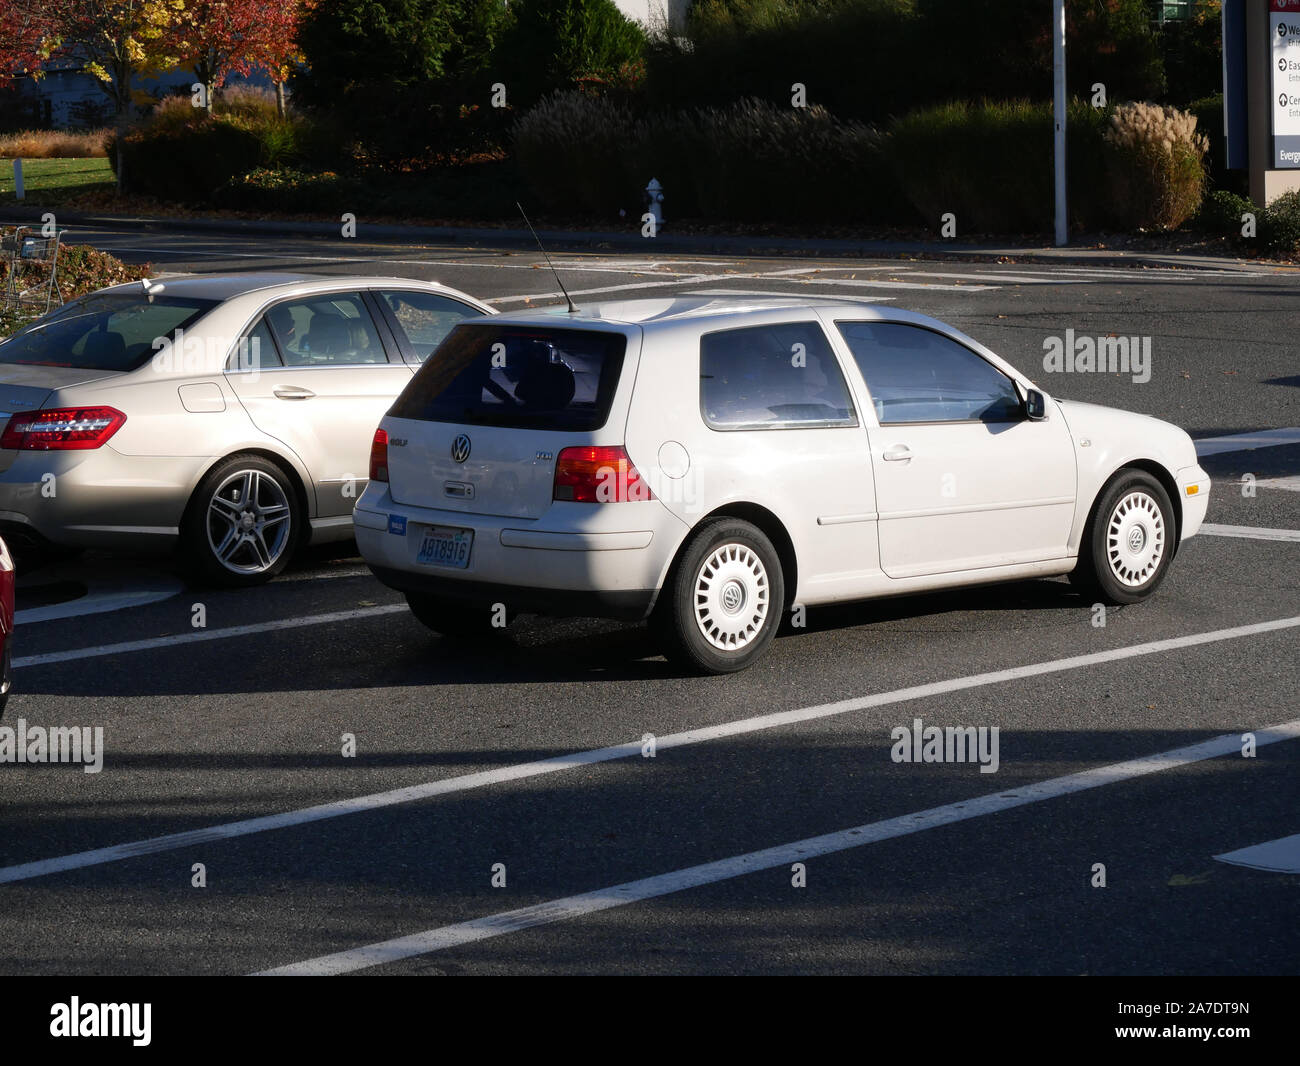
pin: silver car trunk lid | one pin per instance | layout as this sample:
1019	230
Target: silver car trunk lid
473	469
25	387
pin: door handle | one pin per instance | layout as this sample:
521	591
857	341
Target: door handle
899	453
293	392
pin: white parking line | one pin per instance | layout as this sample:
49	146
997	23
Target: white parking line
1245	442
101	601
449	936
522	771
702	279
1289	484
181	639
928	286
1277	856
1010	279
1249	532
828	296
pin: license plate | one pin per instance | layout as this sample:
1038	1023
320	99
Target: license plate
443	546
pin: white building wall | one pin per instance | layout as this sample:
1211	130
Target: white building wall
654	14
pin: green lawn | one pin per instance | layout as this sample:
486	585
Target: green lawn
55	181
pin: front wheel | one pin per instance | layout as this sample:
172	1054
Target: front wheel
723	600
242	524
1127	546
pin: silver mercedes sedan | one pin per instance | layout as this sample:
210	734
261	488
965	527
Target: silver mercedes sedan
229	416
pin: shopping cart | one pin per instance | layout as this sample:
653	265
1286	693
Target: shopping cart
31	281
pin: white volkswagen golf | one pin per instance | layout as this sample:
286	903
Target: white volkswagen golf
710	464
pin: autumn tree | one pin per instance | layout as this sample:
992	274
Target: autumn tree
25	27
218	38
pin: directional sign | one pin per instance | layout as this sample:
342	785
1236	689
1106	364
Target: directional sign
1284	27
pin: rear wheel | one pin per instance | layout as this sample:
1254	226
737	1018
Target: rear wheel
457	620
1126	549
242	524
723	600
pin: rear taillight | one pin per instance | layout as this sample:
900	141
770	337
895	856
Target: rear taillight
379	456
598	475
62	429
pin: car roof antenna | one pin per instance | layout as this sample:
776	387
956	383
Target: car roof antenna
573	310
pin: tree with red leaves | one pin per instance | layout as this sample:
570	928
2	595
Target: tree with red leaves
25	27
219	38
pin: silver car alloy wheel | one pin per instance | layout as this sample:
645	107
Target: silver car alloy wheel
248	522
731	596
1135	539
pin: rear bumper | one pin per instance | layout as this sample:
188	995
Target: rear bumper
97	498
604	561
630	605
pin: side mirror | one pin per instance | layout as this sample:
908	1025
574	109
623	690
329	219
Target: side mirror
1035	405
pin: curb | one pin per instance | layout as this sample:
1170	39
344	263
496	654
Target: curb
487	237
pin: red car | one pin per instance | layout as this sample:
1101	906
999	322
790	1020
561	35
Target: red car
6	621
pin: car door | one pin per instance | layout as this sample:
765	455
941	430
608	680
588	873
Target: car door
420	319
964	479
319	378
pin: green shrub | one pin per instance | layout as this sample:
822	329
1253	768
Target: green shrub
466	191
289	191
1221	213
557	44
1155	163
187	161
991	164
750	161
1279	229
871	60
758	162
393	75
181	153
573	152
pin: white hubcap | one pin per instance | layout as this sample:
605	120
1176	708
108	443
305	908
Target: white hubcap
1135	539
731	596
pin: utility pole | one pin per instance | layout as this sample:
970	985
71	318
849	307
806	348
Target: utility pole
1058	77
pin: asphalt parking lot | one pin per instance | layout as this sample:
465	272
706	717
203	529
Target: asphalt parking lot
564	801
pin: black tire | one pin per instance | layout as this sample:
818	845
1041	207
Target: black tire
1118	561
259	510
694	619
457	620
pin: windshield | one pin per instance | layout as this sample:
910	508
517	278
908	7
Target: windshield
103	331
517	377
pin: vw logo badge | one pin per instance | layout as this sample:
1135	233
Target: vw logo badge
460	448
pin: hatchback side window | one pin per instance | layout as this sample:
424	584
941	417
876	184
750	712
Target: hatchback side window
783	376
333	329
423	319
917	375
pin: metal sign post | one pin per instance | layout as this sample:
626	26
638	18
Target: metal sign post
1058	76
